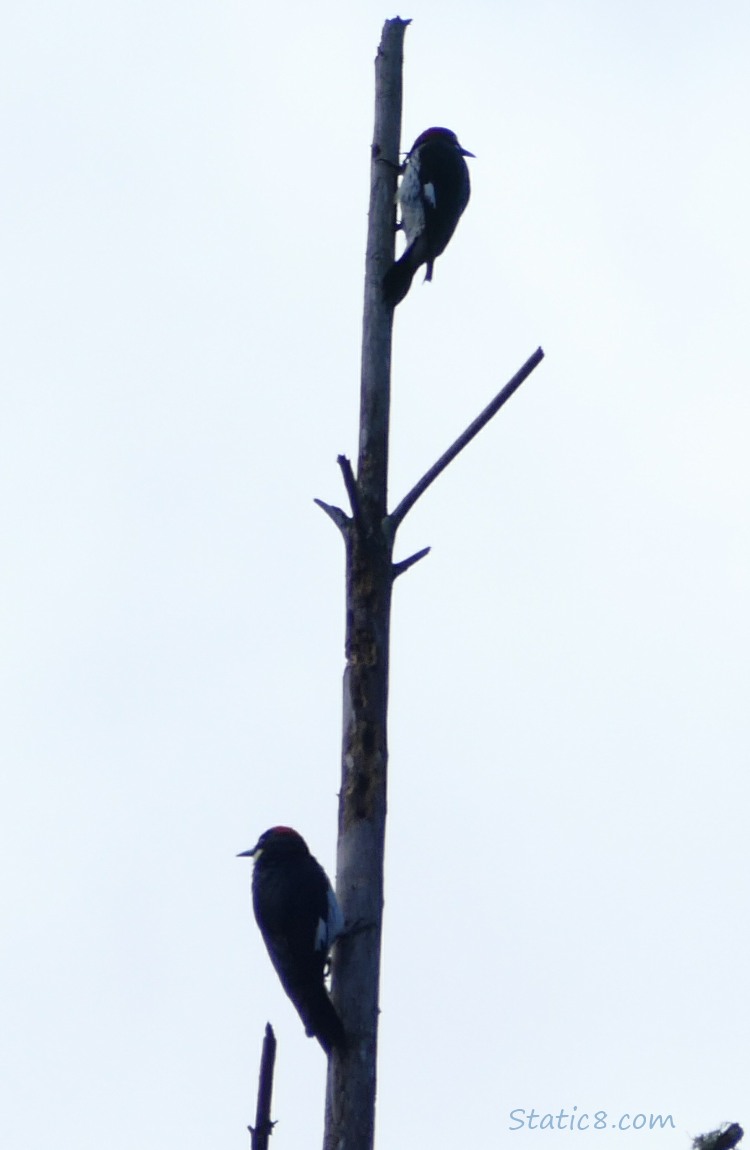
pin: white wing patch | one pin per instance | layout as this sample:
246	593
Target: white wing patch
335	918
429	194
410	199
329	930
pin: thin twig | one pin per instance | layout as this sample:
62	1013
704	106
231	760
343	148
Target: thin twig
419	488
261	1131
350	483
339	517
404	565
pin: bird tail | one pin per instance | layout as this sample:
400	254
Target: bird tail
397	280
320	1018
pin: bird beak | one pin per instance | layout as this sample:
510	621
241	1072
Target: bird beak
465	153
248	854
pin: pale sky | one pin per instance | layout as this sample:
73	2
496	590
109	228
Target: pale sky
182	228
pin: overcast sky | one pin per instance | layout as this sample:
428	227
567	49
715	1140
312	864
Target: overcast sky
182	227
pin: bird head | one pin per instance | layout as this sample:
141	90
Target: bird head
277	840
445	135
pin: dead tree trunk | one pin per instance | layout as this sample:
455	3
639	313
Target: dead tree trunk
350	1099
368	533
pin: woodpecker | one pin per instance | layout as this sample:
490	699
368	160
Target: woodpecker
300	919
433	192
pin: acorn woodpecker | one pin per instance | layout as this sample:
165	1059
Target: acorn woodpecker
300	919
433	192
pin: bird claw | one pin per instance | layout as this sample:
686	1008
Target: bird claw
397	167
